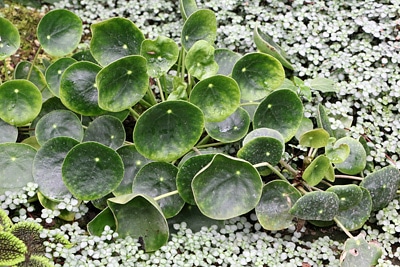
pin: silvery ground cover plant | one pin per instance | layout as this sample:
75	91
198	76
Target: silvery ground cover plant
201	134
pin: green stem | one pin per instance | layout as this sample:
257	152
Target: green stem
5	72
144	103
151	96
161	89
272	168
349	177
343	228
182	64
288	167
301	189
203	141
249	104
210	145
166	195
33	63
134	113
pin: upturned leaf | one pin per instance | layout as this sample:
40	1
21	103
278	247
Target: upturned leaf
315	138
357	159
200	61
319	168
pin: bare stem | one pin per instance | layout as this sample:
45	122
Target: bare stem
166	195
272	168
343	228
288	167
348	177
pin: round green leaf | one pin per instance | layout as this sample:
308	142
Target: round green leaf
319	168
8	133
58	123
139	216
103	219
225	59
382	185
78	90
357	159
12	249
263	132
316	205
15	166
122	83
200	25
337	153
59	32
315	138
158	178
258	75
305	126
161	54
106	130
54	72
168	130
262	149
187	7
227	187
266	44
282	110
47	167
218	97
354	217
277	199
231	129
36	76
133	162
115	38
187	172
9	39
349	195
358	252
200	61
20	102
92	170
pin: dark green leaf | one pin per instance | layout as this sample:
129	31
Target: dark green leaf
106	130
54	72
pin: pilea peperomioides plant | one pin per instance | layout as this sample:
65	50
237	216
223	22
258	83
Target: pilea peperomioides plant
188	103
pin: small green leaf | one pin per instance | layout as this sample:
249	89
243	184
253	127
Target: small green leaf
54	72
319	168
168	130
282	110
382	185
225	59
358	252
323	120
227	187
349	195
217	96
59	32
316	205
187	8
36	75
315	138
103	219
115	38
20	102
262	149
161	54
258	74
337	153
139	216
273	209
200	25
8	133
12	249
9	39
305	126
92	170
122	83
357	159
200	60
321	84
106	130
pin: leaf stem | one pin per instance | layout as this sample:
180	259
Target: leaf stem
288	167
161	89
342	227
134	113
33	62
166	195
349	177
144	103
152	98
211	145
272	168
203	141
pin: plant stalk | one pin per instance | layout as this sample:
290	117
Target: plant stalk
134	113
288	167
272	168
161	89
348	177
343	228
33	62
166	195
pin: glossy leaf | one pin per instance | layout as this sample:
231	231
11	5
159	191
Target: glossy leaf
281	110
20	102
262	149
200	25
316	205
225	59
54	72
51	104
8	133
277	199
59	32
9	39
78	90
106	130
354	217
133	162
227	187
103	219
382	185
187	172
161	54
36	76
200	61
315	138
115	38
319	168
232	129
158	178
357	159
92	170
122	83
12	249
58	123
15	166
47	166
358	252
349	195
258	75
139	216
187	7
265	44
218	97
168	130
263	132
